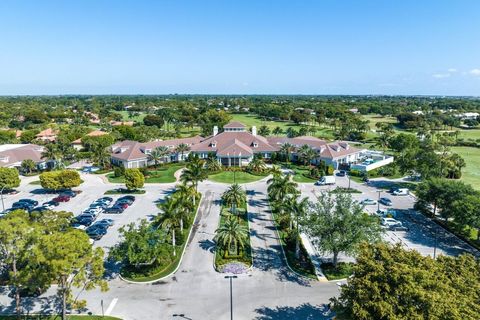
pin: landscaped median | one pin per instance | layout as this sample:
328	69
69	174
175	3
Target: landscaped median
161	174
151	251
233	252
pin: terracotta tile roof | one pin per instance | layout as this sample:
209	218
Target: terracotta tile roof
338	149
226	139
297	142
236	148
94	133
234	124
15	153
47	134
133	150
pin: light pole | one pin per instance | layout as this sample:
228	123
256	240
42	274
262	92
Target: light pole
378	200
1	195
349	179
435	244
231	295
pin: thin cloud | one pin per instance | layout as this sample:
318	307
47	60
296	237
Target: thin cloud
452	70
441	75
475	72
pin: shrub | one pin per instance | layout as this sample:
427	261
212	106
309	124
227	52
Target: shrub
61	179
330	170
118	172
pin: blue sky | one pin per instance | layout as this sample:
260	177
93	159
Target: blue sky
244	47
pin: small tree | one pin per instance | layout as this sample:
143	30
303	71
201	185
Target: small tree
72	262
62	179
28	165
134	179
338	224
9	178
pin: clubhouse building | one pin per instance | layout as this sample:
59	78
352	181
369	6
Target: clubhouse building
235	146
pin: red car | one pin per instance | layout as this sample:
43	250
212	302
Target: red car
62	198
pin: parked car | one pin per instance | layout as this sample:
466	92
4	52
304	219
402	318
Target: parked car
29	201
390	222
401	192
126	201
61	198
96	235
22	206
92	211
368	202
114	209
107	223
70	193
127	197
96	231
342	173
78	226
99	206
84	220
51	204
40	209
90	169
385	201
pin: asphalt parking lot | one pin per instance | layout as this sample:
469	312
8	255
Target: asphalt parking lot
423	234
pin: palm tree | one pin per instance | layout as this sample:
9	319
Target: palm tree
155	156
101	156
194	172
231	234
234	196
186	192
275	171
277	131
170	218
306	154
287	149
256	165
163	151
182	148
281	187
28	165
212	165
51	153
297	209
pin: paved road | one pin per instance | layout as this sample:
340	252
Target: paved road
269	291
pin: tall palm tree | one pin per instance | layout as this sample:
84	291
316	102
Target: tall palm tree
194	173
231	234
287	149
181	149
275	171
277	131
186	192
155	156
306	154
234	196
163	151
297	209
281	187
170	218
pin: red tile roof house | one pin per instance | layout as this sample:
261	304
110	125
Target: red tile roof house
47	135
133	154
12	155
77	144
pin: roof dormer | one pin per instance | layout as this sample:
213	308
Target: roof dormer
213	144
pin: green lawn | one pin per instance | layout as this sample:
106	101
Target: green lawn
343	270
137	118
240	177
165	174
471	173
253	120
473	134
58	317
301	174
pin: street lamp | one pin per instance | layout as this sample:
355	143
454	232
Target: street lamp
378	201
1	195
231	295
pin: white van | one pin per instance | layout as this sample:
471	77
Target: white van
325	180
401	192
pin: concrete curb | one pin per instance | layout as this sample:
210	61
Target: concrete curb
181	257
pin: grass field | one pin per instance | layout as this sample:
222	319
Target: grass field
137	118
473	134
471	173
253	120
240	177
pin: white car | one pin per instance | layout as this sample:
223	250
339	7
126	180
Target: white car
95	211
368	202
79	226
401	192
390	223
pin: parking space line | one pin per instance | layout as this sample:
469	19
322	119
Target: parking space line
111	306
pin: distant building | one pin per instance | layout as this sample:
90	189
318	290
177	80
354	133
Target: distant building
468	115
122	123
77	144
12	155
47	135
